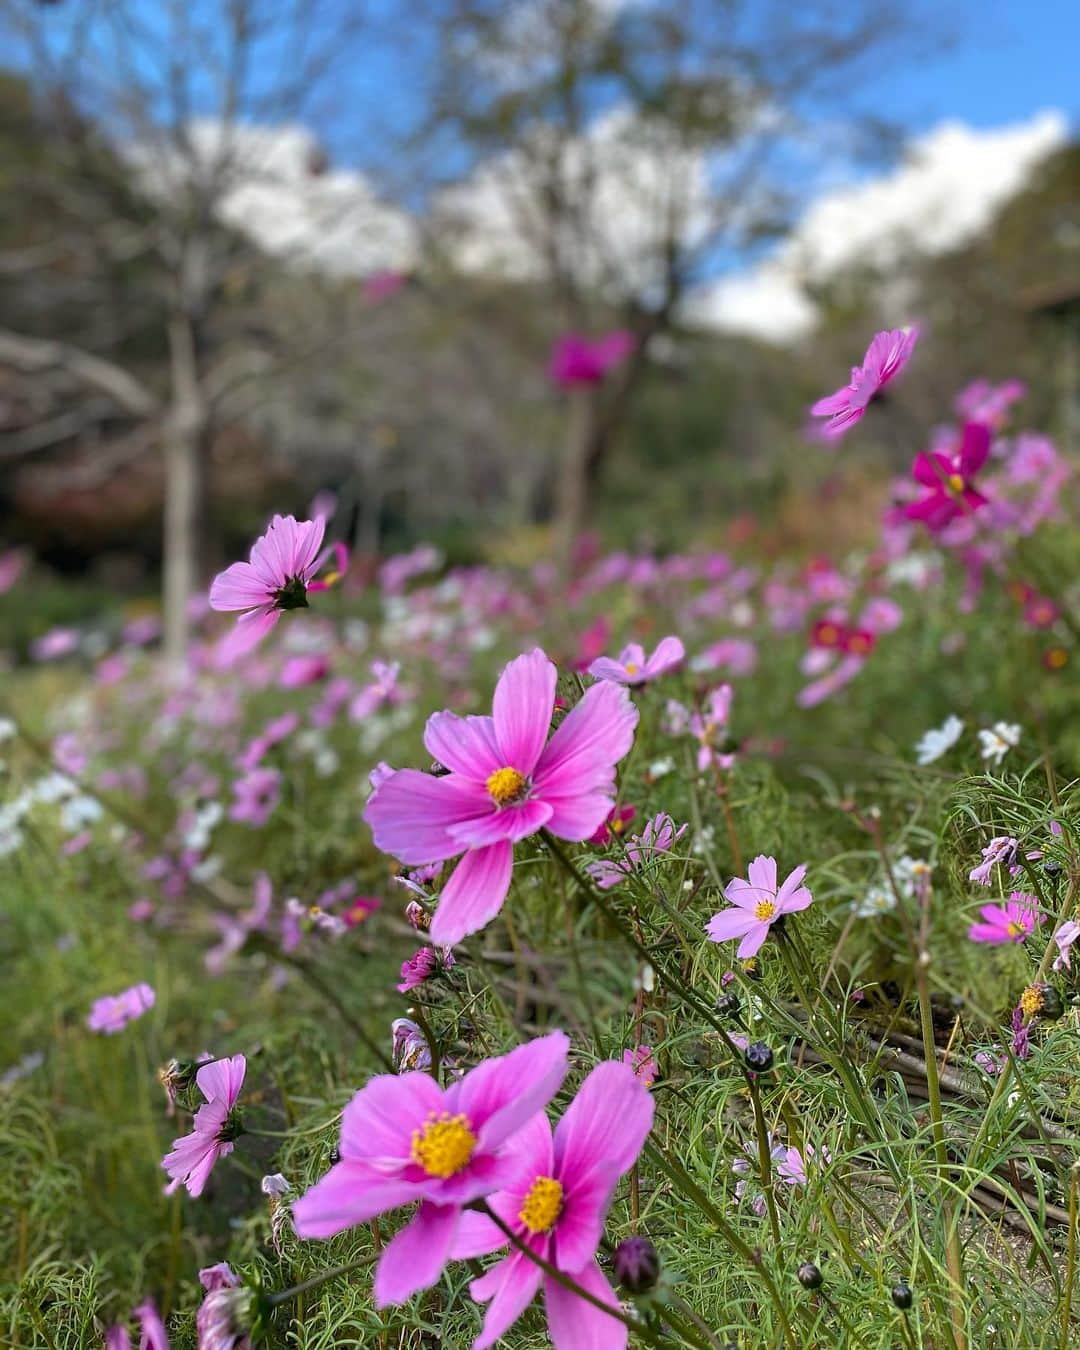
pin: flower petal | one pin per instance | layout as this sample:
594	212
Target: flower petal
593	737
730	923
346	1196
474	893
417	1255
466	745
512	823
239	587
574	1324
606	1122
511	1286
410	811
500	1095
377	1124
522	707
223	1079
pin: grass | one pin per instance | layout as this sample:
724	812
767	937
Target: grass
959	1193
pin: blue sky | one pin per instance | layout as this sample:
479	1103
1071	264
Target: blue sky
1011	58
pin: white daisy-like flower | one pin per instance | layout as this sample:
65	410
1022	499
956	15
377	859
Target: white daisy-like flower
877	900
937	740
998	741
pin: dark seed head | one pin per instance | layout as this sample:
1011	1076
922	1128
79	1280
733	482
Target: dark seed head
759	1057
727	1005
809	1276
1052	868
901	1295
636	1264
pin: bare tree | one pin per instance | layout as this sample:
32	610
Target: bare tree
149	111
614	153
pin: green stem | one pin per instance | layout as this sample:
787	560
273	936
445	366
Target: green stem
553	1273
283	1295
1070	1259
765	1161
689	1187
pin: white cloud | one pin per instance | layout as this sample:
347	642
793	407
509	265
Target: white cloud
332	221
631	181
945	191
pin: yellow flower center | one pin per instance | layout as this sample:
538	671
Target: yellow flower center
1031	1000
956	483
543	1205
444	1146
764	909
1057	657
827	634
1015	929
505	786
631	668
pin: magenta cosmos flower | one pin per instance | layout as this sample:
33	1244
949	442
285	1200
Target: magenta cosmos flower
556	1201
578	360
950	492
405	1138
506	780
1007	923
757	904
113	1012
281	566
216	1125
885	358
634	667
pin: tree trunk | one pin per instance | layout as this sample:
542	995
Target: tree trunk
572	485
185	442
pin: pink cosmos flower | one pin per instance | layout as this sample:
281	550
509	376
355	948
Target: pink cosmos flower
282	563
215	1126
634	667
757	904
55	643
381	285
506	781
1000	850
556	1200
404	1138
578	360
643	1063
980	401
885	358
709	725
11	568
219	1322
421	966
591	643
950	491
299	671
1013	922
256	797
151	1328
614	826
659	836
113	1012
1064	938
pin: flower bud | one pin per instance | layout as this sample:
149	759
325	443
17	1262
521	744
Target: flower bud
727	1005
636	1264
810	1276
901	1295
759	1057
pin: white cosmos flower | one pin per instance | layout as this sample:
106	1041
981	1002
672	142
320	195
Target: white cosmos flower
877	900
939	739
998	741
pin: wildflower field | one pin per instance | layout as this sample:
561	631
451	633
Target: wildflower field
624	950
